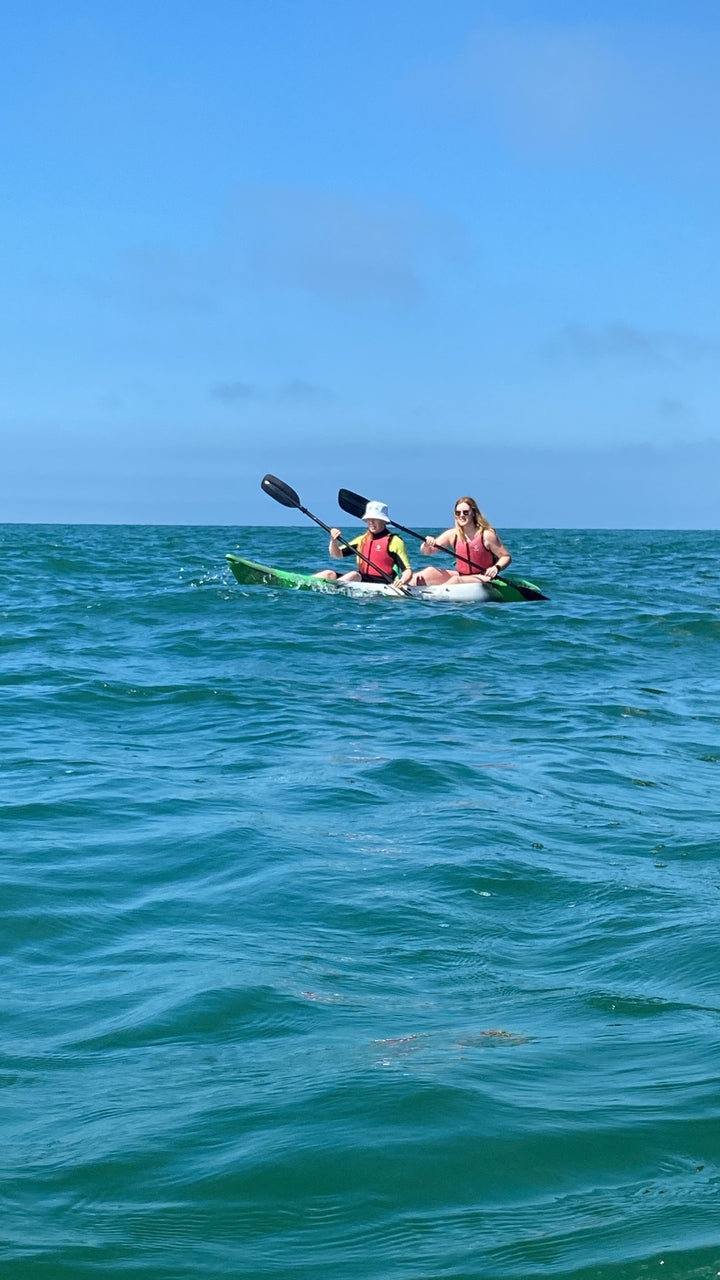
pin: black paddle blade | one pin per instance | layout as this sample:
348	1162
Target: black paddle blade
280	491
351	502
514	589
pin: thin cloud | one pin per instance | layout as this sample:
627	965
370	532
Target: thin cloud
623	344
297	392
339	248
300	392
542	82
232	393
615	342
565	86
336	248
674	411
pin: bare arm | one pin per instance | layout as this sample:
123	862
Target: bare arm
335	548
499	550
400	556
431	545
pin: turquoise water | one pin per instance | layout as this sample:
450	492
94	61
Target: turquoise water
358	938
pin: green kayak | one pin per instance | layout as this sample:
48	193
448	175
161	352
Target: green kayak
500	591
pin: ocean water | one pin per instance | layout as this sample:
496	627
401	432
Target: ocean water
358	938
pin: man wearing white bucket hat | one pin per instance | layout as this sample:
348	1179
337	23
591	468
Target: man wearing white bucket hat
384	550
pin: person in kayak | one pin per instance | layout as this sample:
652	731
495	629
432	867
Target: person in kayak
385	550
481	555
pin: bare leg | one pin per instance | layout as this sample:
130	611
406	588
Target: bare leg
329	575
430	577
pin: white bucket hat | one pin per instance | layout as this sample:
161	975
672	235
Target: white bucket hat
377	511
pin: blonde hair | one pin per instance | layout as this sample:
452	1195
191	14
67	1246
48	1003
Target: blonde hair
479	519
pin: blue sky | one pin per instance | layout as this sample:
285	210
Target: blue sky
410	247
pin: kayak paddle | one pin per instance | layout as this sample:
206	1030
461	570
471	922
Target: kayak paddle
355	504
287	497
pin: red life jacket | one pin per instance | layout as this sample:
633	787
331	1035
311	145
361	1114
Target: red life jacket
476	552
376	550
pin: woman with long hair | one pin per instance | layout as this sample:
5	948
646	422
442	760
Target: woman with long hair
479	553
